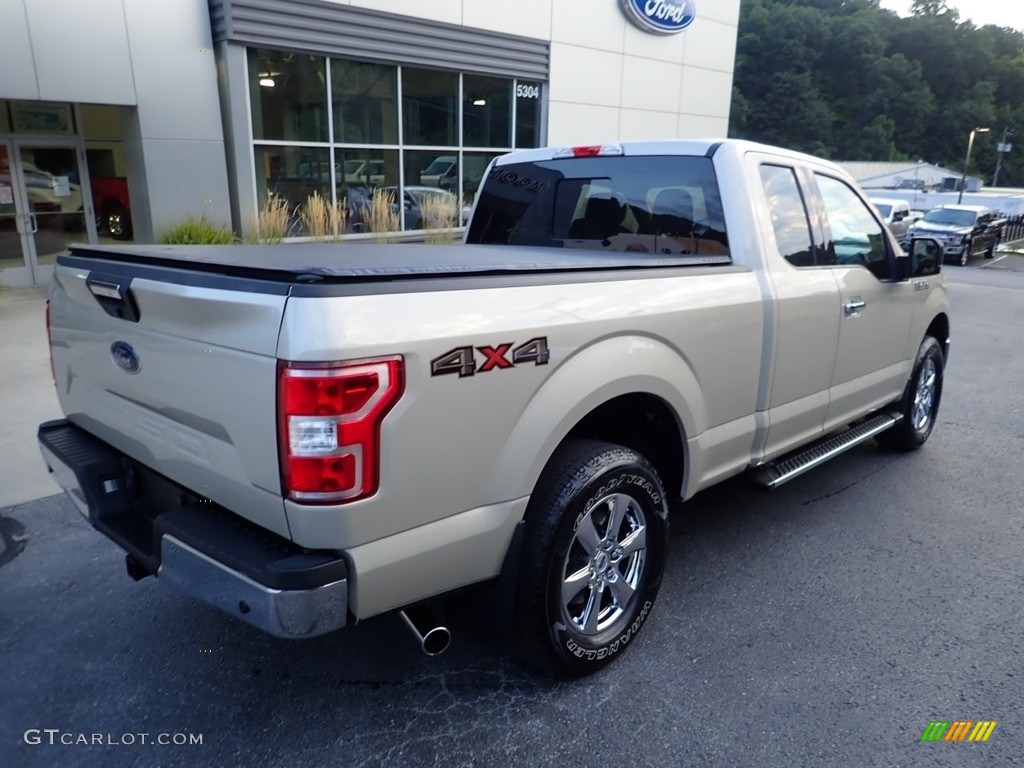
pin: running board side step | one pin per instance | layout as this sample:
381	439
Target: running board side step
776	473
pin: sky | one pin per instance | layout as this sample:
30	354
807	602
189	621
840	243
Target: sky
1004	13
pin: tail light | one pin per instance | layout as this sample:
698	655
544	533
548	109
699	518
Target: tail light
330	416
49	342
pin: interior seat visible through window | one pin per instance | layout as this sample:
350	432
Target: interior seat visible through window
672	213
601	219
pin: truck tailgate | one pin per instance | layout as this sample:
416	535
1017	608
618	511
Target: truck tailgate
183	381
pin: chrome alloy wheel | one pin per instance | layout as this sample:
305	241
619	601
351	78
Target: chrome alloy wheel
924	395
116	224
604	564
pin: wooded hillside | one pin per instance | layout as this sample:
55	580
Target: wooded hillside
847	80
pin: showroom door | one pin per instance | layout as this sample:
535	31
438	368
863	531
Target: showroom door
49	207
14	226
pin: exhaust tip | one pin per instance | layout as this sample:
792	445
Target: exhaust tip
436	641
433	638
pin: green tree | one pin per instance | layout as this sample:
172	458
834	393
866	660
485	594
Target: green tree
849	80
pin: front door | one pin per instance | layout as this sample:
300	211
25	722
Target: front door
875	348
43	205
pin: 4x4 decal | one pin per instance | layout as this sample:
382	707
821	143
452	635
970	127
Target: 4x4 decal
463	360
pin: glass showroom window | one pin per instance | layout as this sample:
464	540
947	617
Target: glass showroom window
486	112
289	96
527	114
292	174
359	173
364	98
429	116
420	139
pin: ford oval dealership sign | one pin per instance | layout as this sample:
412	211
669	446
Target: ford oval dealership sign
663	17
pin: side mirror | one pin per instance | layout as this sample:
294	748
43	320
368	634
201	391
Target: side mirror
925	256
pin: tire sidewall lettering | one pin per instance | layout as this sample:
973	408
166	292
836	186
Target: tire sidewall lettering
629	478
618	644
646	493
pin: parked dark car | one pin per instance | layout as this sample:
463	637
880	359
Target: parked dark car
963	230
113	209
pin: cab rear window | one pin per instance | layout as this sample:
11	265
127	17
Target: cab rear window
662	204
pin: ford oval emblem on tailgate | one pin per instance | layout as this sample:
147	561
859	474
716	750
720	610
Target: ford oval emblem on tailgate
125	357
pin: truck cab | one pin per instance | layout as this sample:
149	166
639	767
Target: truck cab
896	214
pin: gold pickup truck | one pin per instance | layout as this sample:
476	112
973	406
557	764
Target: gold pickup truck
308	436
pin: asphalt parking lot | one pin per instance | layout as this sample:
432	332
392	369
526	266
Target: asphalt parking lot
823	624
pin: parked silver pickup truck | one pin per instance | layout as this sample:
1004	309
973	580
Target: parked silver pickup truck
896	214
307	436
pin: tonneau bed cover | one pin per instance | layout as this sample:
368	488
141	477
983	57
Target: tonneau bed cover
347	262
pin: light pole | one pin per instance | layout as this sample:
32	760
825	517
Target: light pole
967	161
1001	149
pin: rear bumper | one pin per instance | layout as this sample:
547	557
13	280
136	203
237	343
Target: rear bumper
194	545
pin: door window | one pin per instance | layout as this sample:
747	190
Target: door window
789	215
856	236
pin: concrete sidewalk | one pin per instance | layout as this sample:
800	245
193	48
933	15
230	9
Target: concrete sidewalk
1009	257
27	395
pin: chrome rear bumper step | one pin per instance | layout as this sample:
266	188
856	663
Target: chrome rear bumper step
783	470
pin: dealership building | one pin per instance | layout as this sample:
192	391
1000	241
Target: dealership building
121	118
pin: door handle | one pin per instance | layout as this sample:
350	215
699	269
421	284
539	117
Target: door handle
853	307
920	285
33	223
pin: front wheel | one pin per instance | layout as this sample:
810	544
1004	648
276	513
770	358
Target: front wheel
920	402
593	557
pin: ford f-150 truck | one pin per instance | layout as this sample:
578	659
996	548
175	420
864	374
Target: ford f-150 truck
307	436
964	231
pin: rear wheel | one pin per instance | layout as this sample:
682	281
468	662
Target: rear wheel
920	402
593	557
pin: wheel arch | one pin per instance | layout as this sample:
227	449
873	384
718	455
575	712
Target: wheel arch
653	404
645	423
939	330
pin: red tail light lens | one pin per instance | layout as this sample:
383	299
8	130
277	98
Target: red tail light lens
591	150
330	416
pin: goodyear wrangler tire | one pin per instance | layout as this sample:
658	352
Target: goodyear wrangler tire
920	402
593	557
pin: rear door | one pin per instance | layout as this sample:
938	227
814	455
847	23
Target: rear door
804	333
177	370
